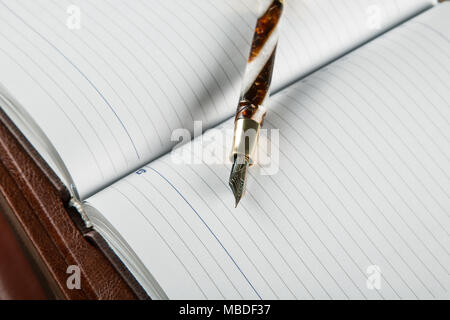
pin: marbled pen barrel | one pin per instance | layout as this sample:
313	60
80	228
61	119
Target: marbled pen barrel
257	80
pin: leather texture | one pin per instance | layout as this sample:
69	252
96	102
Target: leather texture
18	279
34	200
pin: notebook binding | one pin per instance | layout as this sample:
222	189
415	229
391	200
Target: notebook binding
78	205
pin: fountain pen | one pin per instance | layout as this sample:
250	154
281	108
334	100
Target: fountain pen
257	80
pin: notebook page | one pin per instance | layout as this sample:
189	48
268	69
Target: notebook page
362	191
315	32
109	95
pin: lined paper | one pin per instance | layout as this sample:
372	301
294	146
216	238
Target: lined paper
363	182
109	95
315	32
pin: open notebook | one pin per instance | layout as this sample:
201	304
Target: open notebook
361	185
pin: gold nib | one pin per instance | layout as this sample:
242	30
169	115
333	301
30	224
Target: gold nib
238	177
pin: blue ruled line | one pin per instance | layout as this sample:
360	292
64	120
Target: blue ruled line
209	229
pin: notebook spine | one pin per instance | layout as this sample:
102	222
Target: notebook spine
78	205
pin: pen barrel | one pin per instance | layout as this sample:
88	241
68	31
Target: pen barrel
257	80
258	75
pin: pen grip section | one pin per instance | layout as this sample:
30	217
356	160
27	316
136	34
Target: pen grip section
245	142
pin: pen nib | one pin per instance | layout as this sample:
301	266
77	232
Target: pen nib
238	177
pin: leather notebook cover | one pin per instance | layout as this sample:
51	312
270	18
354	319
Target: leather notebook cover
35	202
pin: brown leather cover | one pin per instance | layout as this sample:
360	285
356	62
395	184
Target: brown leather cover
35	202
18	280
